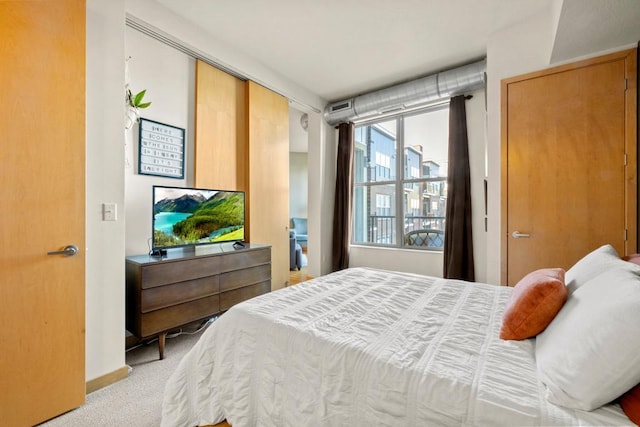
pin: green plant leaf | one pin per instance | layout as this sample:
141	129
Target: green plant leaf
145	105
138	98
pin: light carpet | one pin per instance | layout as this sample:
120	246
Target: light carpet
137	400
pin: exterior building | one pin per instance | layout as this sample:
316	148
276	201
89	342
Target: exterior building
377	188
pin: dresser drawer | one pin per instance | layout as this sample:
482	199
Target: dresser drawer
243	259
230	298
247	276
168	295
177	315
173	271
191	285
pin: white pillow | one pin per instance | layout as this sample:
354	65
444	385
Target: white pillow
590	353
602	259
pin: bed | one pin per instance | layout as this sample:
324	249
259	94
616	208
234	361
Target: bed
364	347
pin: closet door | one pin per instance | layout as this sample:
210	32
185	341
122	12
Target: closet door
220	159
268	121
568	163
242	143
42	117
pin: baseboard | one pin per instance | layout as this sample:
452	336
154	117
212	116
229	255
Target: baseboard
107	379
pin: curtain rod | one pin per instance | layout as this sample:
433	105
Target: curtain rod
169	40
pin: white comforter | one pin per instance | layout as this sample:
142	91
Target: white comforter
365	347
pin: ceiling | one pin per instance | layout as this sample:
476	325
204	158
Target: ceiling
341	48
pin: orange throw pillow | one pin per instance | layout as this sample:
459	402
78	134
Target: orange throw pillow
630	403
534	302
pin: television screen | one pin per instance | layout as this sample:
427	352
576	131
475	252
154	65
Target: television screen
196	216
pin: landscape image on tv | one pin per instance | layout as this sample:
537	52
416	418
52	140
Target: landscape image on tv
191	216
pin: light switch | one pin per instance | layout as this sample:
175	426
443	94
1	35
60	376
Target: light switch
109	211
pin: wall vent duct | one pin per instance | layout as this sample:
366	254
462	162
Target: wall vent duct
413	94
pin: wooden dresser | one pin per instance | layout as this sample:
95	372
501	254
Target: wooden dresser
190	285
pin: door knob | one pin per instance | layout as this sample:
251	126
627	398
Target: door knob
519	235
69	250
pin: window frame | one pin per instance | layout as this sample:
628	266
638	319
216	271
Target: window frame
402	178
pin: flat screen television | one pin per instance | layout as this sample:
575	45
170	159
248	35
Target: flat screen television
196	216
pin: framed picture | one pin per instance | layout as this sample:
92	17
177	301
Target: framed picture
161	149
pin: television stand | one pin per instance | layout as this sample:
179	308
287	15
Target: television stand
165	293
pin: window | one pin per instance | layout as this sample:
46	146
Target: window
383	204
405	208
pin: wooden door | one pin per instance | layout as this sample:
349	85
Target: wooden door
268	121
42	117
569	163
221	159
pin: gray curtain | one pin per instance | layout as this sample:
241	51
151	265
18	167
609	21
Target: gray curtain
343	197
458	236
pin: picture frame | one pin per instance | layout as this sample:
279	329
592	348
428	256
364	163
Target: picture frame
161	149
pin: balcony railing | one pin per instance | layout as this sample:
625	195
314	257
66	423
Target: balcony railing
381	229
423	222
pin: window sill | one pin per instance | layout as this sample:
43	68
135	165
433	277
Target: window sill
398	249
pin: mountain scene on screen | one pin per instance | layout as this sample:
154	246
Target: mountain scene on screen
196	219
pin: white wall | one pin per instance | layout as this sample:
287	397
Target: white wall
168	75
476	133
513	51
298	137
298	165
105	320
177	27
298	185
322	181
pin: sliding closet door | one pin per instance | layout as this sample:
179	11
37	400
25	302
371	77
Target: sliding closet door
269	176
42	117
242	143
221	130
569	163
